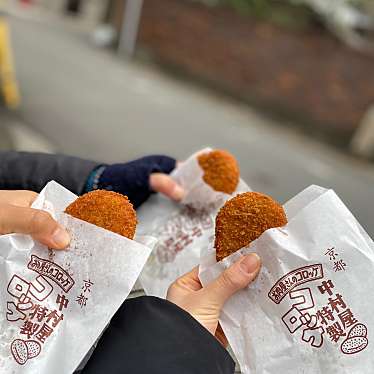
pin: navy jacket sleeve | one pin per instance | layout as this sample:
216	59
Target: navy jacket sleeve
153	336
31	171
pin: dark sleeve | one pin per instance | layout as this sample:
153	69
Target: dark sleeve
31	171
153	336
132	178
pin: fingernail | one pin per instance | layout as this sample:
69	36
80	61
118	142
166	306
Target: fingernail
250	263
61	238
178	193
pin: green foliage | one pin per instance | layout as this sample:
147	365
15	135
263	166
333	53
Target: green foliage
300	15
281	12
259	7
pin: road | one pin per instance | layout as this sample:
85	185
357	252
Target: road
92	103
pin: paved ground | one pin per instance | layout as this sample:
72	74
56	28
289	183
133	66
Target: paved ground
15	134
94	104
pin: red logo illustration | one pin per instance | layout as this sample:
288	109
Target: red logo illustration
294	279
298	317
180	231
334	320
52	271
23	350
356	340
23	291
36	319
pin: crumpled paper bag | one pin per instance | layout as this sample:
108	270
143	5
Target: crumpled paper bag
311	308
182	229
55	304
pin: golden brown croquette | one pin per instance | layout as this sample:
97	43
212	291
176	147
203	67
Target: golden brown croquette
221	170
107	209
243	219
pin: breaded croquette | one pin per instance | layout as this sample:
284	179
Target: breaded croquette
107	209
221	170
243	219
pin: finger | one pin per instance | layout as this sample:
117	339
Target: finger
37	223
233	279
166	185
22	198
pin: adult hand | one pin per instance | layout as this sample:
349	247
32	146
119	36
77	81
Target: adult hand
205	303
138	178
16	216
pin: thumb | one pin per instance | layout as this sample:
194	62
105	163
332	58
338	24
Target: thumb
233	279
37	223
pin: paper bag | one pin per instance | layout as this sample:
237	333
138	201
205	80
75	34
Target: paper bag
55	304
182	229
311	308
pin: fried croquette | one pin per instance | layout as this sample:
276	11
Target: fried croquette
243	219
221	170
107	209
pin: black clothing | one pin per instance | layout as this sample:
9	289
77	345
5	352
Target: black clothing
32	171
149	335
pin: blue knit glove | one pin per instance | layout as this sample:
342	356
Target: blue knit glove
131	178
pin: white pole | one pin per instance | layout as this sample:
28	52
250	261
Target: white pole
130	26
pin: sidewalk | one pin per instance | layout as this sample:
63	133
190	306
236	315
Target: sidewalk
16	135
96	104
5	138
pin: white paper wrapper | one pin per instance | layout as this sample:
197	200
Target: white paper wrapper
310	309
55	304
182	229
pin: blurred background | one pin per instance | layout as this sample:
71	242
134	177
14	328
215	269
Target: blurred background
286	86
